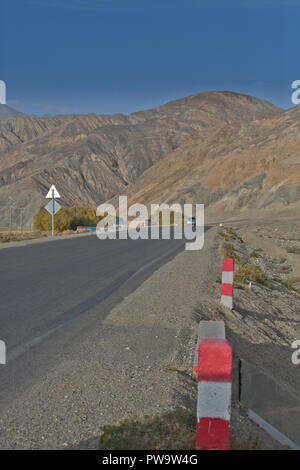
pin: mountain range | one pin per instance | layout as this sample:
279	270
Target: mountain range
235	153
7	112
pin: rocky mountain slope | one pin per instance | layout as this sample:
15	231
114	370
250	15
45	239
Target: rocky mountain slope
234	169
7	112
91	158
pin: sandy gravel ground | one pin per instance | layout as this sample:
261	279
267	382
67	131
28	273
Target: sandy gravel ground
149	348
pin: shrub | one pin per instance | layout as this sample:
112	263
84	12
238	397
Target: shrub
293	249
248	272
228	250
224	236
255	254
233	235
289	283
68	218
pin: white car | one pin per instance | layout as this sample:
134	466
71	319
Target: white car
191	221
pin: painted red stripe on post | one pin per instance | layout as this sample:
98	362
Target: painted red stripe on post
214	375
213	434
227	289
215	360
228	264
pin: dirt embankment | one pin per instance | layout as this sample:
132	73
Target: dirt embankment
265	319
261	327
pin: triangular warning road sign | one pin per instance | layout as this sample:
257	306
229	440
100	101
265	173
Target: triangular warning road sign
56	193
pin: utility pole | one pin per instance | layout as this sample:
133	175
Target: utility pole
21	217
10	213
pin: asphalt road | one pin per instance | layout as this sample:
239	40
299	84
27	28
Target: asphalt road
51	291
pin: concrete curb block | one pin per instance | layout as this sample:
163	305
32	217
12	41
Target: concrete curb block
214	375
227	282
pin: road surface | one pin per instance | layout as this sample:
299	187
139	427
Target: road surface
52	291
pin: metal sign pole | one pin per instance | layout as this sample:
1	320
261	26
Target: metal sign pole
52	212
52	207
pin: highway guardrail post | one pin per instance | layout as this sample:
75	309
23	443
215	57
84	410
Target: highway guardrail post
214	375
227	282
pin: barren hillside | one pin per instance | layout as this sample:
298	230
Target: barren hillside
91	158
6	112
234	169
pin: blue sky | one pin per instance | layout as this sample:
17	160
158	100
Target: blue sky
108	56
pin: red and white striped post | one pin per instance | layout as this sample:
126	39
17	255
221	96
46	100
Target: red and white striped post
214	375
227	282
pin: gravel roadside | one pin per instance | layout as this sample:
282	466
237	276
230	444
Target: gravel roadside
136	362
